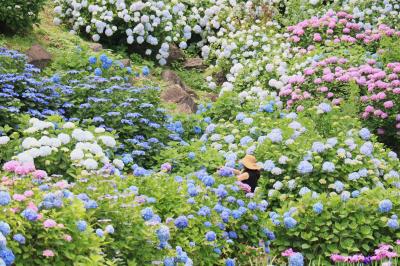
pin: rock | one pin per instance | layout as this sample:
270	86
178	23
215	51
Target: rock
220	77
187	105
194	63
212	96
172	78
96	47
175	54
38	56
125	62
176	94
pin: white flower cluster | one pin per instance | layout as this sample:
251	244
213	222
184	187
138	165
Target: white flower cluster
4	140
82	147
155	23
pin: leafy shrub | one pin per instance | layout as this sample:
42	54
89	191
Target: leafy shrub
17	15
340	226
155	25
42	219
100	96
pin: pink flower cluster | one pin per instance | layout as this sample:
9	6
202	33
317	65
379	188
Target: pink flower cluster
24	169
246	188
339	27
383	252
287	253
326	77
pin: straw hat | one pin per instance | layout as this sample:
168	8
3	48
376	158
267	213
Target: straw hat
250	162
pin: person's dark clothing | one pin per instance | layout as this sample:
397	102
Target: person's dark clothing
252	181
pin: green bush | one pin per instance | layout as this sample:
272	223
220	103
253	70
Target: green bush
19	15
345	227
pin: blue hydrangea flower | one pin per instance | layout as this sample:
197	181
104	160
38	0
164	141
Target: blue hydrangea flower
145	71
169	261
328	167
98	72
3	241
229	262
99	232
296	259
5	198
81	225
304	167
110	229
393	223
289	222
92	60
355	193
364	133
7	255
339	186
163	234
181	222
5	228
210	236
19	238
385	205
318	207
147	213
191	155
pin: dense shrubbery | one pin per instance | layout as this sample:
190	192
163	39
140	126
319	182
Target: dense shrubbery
17	15
100	95
308	90
335	224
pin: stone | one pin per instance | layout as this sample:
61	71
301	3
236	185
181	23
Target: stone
38	56
187	105
175	54
96	47
178	95
220	77
212	96
126	62
172	78
194	63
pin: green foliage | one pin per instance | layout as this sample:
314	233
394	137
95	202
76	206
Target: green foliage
20	15
345	227
85	246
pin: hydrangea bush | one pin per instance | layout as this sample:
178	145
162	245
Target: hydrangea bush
20	15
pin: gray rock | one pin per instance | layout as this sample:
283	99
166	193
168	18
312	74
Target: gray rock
96	47
125	62
175	54
172	78
220	77
194	63
212	96
38	56
176	94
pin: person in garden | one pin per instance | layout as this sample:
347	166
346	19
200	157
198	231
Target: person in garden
251	172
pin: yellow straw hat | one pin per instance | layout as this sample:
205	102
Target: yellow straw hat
250	162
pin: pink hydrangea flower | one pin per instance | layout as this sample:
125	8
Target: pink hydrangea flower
67	238
39	174
11	166
32	206
48	253
28	193
246	188
49	223
19	197
388	104
166	167
287	253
